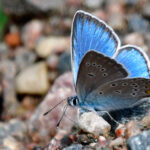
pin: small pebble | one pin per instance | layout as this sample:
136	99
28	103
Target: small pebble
4	51
92	144
31	32
132	129
52	61
33	79
146	10
12	144
146	121
92	123
93	4
24	57
101	139
117	142
49	45
85	138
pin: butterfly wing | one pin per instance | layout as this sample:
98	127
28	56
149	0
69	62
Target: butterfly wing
96	69
134	60
119	94
89	32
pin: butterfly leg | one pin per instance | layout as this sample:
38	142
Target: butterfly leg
106	112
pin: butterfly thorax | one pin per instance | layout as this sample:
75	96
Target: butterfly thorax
73	101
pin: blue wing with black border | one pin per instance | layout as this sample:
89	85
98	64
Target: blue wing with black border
89	32
134	60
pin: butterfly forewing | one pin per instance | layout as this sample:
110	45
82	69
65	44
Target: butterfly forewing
119	94
95	70
89	32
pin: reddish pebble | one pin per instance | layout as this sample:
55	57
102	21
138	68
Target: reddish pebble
12	39
120	131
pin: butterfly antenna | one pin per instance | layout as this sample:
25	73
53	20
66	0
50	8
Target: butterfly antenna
64	110
53	107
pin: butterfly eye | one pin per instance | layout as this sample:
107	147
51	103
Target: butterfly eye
74	102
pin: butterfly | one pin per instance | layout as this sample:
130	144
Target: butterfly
107	76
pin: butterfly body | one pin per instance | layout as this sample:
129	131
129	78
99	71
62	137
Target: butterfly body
107	77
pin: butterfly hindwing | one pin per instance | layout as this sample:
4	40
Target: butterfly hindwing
134	60
119	94
89	32
96	69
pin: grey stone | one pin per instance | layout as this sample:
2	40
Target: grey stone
74	147
146	10
24	57
140	141
4	51
131	2
14	127
18	8
8	68
46	5
93	123
138	24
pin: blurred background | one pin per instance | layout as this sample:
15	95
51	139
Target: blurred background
35	61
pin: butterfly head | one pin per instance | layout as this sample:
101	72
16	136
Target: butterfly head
73	101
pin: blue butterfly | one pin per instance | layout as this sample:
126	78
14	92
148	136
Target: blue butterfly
107	77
